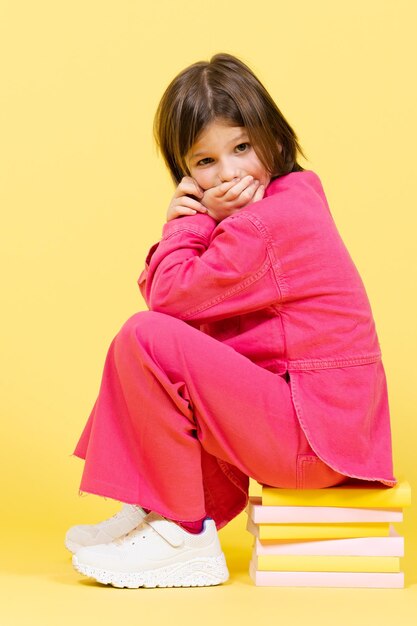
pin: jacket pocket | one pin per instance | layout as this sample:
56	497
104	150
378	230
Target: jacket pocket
305	467
313	473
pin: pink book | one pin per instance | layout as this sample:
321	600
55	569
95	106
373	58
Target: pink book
326	579
261	514
363	546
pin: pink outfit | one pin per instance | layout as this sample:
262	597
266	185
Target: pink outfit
258	357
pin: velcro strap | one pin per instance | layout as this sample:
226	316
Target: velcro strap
169	531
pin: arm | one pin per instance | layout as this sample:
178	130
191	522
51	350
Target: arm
201	228
201	271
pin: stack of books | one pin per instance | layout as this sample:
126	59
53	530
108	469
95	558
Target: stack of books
336	537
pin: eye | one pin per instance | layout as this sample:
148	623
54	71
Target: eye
205	161
242	147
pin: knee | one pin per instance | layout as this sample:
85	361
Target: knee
141	325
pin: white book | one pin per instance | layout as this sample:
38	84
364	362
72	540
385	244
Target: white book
327	579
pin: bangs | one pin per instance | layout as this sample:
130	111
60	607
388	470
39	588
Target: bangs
222	89
201	106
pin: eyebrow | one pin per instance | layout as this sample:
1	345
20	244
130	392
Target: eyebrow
236	139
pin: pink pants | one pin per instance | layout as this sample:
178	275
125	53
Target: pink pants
182	421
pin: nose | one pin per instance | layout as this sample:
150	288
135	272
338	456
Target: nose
227	171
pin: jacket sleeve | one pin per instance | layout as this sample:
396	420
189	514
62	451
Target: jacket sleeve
202	271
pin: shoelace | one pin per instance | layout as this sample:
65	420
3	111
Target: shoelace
131	534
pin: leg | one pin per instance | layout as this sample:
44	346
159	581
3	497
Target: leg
182	421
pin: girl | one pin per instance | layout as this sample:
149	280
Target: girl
258	356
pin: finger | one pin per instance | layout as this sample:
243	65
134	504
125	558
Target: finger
188	186
237	189
224	187
179	211
189	180
191	203
199	190
218	191
259	194
186	211
247	195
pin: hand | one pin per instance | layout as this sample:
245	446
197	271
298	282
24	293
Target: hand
227	198
182	203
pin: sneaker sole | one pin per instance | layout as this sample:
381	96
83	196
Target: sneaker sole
199	572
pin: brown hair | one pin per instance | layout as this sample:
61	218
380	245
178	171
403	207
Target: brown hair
223	88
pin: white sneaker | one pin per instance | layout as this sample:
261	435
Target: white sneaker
158	553
123	522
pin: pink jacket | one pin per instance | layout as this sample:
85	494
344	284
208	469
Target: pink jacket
275	282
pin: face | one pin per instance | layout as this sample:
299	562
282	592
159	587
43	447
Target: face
222	153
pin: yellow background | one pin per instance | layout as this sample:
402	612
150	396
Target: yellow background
83	196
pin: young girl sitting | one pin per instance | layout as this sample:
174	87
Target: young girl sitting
258	356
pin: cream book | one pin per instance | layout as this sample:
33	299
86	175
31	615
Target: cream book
269	532
317	514
379	580
309	563
393	545
357	495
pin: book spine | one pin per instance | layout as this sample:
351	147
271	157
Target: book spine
363	546
327	579
292	514
360	497
322	531
298	563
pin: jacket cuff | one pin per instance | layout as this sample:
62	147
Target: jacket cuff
199	223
